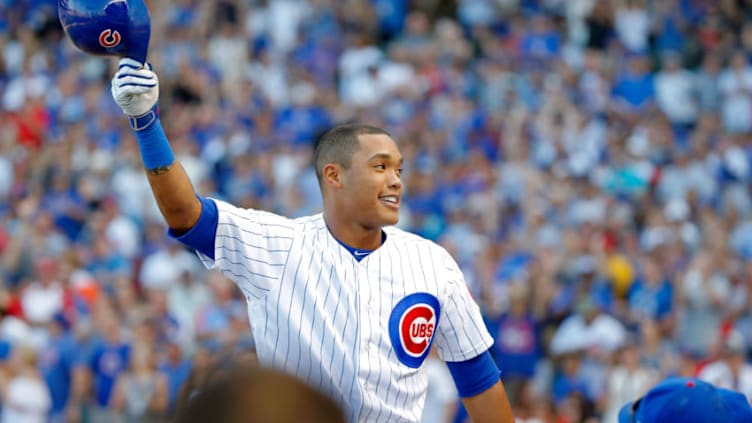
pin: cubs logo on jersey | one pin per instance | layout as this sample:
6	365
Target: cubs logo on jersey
412	324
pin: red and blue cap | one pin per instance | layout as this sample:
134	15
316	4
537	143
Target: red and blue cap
107	27
687	400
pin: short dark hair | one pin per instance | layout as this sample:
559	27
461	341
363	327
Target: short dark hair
338	145
259	395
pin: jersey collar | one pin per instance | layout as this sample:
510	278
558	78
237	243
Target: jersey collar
360	253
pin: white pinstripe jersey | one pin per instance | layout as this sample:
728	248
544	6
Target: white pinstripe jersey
357	331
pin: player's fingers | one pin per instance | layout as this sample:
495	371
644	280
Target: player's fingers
127	62
137	80
133	86
125	80
130	90
137	73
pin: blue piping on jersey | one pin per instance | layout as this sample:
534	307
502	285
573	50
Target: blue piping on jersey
201	236
474	376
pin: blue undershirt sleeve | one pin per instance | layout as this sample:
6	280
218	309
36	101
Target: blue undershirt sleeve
201	236
152	141
474	376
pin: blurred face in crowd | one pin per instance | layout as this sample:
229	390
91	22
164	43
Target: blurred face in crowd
417	23
202	359
45	270
671	63
711	64
630	356
142	359
653	274
570	364
518	298
110	327
650	332
638	65
222	288
738	61
173	353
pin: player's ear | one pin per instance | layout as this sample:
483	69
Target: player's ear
332	175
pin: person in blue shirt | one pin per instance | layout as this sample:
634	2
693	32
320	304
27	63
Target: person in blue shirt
570	380
651	296
109	358
60	364
391	16
517	341
542	40
176	369
302	120
634	89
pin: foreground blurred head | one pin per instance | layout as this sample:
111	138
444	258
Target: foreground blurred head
687	400
259	396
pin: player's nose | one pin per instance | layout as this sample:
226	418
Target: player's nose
395	181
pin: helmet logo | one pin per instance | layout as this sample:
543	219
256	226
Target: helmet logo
109	38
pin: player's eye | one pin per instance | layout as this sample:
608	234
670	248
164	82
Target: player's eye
399	171
380	166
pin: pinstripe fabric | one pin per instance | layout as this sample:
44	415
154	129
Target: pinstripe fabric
321	315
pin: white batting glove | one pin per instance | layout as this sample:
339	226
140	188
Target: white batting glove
135	87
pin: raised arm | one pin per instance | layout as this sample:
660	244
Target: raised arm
175	197
135	88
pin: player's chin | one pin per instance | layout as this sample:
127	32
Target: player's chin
389	216
391	220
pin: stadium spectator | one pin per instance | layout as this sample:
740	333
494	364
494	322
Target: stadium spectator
140	392
25	396
730	371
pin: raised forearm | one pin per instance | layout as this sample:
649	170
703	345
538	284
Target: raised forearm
490	406
135	88
175	196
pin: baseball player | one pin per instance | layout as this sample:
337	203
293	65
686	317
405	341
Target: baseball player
341	299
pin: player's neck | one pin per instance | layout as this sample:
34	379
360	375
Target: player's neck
354	234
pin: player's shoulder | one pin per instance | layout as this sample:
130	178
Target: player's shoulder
299	224
314	222
405	237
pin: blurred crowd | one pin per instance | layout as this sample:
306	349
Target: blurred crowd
587	162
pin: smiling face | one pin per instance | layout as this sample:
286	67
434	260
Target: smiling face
371	190
359	168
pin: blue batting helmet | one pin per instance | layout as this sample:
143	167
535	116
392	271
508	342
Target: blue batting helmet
107	27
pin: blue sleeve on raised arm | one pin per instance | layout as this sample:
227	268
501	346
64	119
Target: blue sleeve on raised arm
201	236
475	375
152	141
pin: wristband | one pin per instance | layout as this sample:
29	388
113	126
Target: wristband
139	123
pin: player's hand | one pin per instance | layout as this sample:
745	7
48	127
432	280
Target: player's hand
135	87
